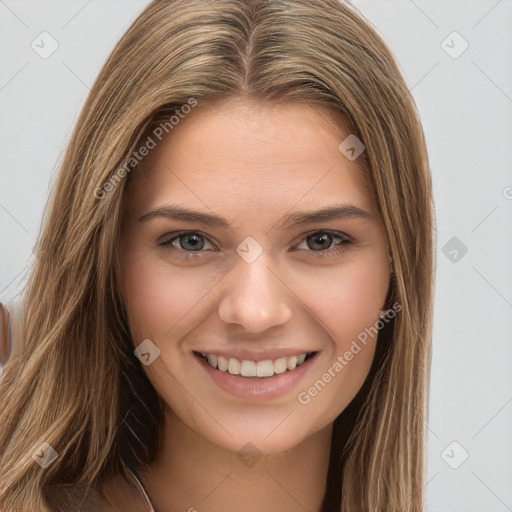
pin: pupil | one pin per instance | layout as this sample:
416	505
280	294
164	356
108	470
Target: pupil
319	237
194	240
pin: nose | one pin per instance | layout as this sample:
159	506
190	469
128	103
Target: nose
254	296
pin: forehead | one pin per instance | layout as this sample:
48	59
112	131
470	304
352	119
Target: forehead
239	153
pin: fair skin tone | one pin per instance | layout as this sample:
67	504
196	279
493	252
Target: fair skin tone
308	288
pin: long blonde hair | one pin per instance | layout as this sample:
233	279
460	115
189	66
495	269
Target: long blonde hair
76	384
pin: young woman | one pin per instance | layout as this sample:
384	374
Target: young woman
231	306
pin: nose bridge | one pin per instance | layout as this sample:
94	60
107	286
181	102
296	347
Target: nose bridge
253	296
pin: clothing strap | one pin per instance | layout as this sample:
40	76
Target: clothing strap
132	472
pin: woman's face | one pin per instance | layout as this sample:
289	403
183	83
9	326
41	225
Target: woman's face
224	252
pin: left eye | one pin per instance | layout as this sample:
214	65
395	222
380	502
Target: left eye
321	241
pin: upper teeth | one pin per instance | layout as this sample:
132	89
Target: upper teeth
246	368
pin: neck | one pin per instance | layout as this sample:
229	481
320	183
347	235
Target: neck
191	473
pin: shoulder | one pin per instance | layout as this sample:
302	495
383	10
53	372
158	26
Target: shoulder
63	498
115	495
122	495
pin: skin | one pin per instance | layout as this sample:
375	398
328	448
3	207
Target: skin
252	164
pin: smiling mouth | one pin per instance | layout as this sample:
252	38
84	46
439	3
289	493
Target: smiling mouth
256	369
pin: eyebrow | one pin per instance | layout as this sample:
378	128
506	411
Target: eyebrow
334	212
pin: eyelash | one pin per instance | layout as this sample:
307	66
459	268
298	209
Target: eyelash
166	243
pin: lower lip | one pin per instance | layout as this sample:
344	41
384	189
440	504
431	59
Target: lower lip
257	388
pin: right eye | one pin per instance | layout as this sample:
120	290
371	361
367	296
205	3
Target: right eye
186	242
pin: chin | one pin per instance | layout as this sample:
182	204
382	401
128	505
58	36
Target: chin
261	438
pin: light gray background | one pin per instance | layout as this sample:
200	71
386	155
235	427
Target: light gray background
466	106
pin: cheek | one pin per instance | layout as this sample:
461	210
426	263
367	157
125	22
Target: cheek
348	309
157	298
350	300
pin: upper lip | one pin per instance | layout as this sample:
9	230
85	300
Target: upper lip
241	354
